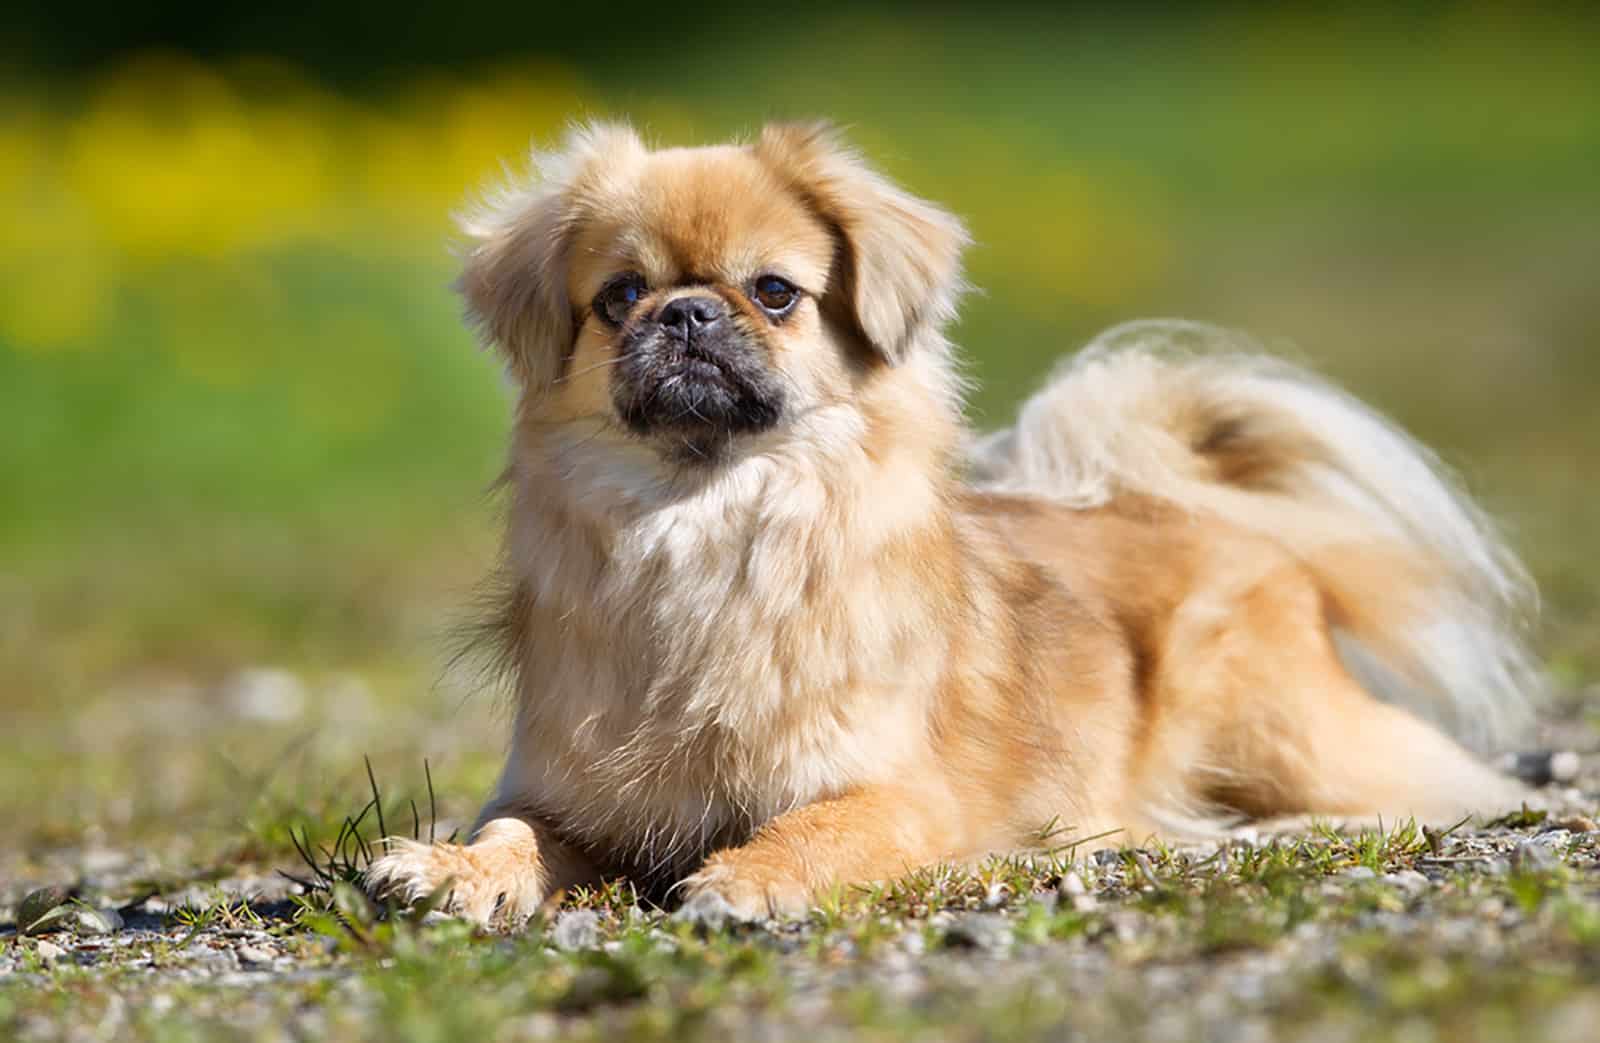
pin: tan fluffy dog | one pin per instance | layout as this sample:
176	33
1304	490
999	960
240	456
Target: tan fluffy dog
777	624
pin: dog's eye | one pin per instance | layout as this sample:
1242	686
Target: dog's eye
776	295
613	303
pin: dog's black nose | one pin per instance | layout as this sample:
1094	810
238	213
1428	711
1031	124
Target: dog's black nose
691	315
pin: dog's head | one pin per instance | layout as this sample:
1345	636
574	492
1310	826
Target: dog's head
698	299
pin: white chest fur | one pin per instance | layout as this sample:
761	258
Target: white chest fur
718	657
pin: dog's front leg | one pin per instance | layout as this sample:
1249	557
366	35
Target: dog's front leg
866	835
512	864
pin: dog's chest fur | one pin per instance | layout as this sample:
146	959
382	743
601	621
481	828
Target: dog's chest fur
720	658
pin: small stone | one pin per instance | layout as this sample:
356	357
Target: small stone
1532	857
979	931
42	909
49	951
1126	925
577	929
995	897
1359	873
97	921
1575	824
265	694
99	861
1408	880
1542	767
1565	765
1072	886
252	956
542	1025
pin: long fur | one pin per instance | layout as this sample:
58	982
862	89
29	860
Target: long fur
1199	416
817	653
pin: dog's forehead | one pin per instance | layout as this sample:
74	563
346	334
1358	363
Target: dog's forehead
715	214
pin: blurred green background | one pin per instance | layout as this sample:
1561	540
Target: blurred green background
247	438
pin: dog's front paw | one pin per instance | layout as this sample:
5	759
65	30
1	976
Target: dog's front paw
496	879
724	891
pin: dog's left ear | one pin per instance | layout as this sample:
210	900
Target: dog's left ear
514	266
901	257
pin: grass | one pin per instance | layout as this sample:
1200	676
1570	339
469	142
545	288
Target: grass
1480	955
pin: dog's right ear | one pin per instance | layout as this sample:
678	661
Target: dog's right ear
902	255
514	265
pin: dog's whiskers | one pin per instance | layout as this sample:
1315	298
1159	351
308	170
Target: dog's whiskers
587	369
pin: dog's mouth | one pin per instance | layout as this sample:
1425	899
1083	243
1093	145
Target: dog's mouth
699	395
695	368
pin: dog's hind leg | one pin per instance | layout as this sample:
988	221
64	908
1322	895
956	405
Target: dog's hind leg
1266	720
1333	749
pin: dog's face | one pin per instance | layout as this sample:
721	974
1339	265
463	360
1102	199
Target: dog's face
696	296
695	300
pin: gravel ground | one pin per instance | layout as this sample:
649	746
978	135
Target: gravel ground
1489	931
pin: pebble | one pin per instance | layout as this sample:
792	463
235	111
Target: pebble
41	908
577	929
1542	767
253	956
1126	925
542	1025
49	951
1359	873
265	694
1531	857
97	921
99	861
1408	880
979	931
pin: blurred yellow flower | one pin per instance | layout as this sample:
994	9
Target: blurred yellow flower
169	160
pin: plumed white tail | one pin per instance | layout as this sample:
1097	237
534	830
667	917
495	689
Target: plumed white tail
1430	606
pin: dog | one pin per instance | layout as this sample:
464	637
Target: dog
778	623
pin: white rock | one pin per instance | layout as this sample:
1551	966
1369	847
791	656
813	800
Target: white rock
252	956
577	929
265	694
1408	880
1564	765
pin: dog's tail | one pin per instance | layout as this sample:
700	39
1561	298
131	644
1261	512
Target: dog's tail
1428	604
